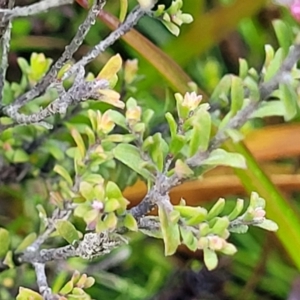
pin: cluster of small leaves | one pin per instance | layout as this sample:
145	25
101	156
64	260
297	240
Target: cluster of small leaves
215	230
73	289
188	136
32	71
173	17
239	91
198	228
14	142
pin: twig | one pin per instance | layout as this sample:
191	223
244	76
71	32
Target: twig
129	23
83	29
41	277
157	192
4	49
80	91
33	9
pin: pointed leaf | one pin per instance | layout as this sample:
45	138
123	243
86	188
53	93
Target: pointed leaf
188	239
170	231
210	259
268	225
67	230
28	240
79	141
220	157
26	294
237	209
237	94
216	209
4	242
290	101
63	173
130	156
111	68
130	222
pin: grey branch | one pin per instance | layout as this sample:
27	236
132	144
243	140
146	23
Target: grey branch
129	23
92	245
43	286
80	91
33	9
83	29
5	28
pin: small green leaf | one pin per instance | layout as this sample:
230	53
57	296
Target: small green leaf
243	68
111	221
91	135
26	294
274	65
220	157
118	118
158	150
101	226
188	239
27	241
252	85
93	178
289	99
221	89
86	190
90	281
229	249
130	156
174	216
4	242
172	124
220	226
20	156
284	34
256	201
210	259
23	64
64	174
113	191
237	209
67	288
79	141
93	118
268	225
194	215
123	10
237	94
111	205
130	222
216	209
200	135
73	152
269	52
111	68
174	29
170	231
67	230
269	109
177	143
